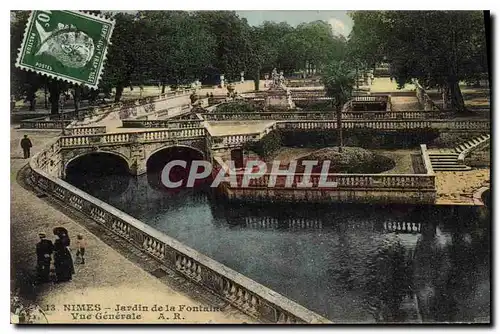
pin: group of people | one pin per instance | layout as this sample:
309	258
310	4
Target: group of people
60	253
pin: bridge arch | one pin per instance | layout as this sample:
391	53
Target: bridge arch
108	172
177	146
88	153
158	159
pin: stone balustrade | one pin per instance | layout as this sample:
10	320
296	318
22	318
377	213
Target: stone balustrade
43	124
229	141
168	123
130	137
247	295
85	130
347	181
325	115
459	125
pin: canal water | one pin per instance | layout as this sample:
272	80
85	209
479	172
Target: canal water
349	263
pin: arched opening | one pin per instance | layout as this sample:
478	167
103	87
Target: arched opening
177	173
99	173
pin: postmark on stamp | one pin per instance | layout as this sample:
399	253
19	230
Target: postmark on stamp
66	45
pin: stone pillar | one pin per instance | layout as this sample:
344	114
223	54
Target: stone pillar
222	81
242	75
138	166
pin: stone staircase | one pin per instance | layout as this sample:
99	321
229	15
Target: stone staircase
449	160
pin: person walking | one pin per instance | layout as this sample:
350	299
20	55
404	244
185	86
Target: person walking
81	244
26	146
44	249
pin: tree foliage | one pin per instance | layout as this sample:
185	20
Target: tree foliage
339	79
178	47
438	48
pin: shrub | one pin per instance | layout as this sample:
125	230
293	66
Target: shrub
236	107
267	146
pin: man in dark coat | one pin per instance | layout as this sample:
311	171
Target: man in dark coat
44	250
26	146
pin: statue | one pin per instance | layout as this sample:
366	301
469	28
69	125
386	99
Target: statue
275	77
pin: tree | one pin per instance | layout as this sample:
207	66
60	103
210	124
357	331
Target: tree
438	48
124	54
339	80
233	41
312	43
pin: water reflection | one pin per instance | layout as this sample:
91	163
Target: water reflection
350	263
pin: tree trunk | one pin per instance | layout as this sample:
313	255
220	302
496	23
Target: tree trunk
77	92
339	127
357	78
55	92
45	95
446	97
256	81
457	100
31	98
119	92
163	88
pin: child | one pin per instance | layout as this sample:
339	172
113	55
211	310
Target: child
80	246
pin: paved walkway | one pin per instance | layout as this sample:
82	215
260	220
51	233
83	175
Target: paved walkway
458	187
107	278
225	128
385	85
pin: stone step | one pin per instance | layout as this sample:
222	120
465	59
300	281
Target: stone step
454	161
443	154
468	145
447	164
457	168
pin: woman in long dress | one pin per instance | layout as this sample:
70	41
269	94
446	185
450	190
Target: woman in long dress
63	262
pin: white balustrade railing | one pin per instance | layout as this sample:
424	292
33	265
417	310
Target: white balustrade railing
85	130
127	137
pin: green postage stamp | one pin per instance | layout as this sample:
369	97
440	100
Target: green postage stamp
66	45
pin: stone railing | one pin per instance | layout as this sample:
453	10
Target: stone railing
247	295
343	188
175	93
43	124
166	123
424	99
325	115
130	137
481	144
459	125
167	113
349	181
85	130
230	141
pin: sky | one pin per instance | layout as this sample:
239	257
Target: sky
340	22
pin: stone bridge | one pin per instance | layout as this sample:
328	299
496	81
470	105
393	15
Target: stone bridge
134	147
